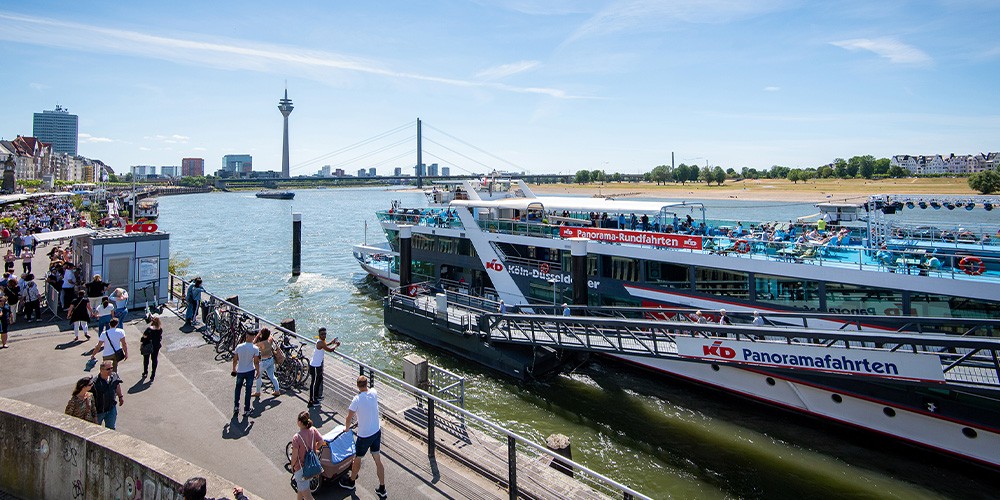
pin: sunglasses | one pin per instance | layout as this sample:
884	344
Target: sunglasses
105	369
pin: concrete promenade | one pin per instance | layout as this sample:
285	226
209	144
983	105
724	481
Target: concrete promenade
187	411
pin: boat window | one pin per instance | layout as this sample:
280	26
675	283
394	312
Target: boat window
546	293
851	299
666	274
944	306
787	292
567	262
422	271
619	268
393	238
721	282
423	242
465	247
447	245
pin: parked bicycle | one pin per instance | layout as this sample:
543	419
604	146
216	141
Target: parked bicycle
294	370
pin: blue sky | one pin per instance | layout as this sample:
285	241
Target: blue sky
542	86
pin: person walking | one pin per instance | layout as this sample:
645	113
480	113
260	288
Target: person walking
267	360
120	300
13	293
32	299
196	488
79	314
107	385
96	290
5	315
316	367
104	312
193	299
111	341
308	438
364	406
26	256
246	366
8	261
152	340
81	403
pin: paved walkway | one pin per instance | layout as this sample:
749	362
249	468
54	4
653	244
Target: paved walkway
187	412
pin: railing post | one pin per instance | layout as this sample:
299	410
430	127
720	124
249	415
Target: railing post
511	468
430	427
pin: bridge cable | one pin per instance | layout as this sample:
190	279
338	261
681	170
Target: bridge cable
474	147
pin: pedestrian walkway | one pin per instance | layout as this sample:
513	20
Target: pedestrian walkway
187	412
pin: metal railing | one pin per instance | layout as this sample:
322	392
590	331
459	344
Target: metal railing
514	461
446	385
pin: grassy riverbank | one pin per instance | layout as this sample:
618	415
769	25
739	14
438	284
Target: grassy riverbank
768	189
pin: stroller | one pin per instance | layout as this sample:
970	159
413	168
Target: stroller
335	455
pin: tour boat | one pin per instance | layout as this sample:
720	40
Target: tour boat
276	195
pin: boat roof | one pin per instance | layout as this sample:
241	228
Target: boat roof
577	204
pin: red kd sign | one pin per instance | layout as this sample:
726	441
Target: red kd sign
140	228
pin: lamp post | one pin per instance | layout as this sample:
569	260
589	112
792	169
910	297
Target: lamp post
555	294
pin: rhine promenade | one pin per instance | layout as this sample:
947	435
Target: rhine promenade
187	412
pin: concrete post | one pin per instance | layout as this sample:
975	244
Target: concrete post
296	243
288	324
578	250
405	255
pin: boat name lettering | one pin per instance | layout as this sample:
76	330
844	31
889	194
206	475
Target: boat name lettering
494	265
635	237
517	270
899	365
140	228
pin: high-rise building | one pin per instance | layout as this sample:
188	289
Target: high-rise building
398	171
371	172
420	170
170	171
59	128
361	172
237	163
143	171
325	171
432	169
193	167
338	172
445	171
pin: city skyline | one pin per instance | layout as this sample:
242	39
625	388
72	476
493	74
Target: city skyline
547	88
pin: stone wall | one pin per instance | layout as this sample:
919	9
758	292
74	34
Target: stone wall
45	454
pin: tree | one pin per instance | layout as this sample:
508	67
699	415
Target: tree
825	172
866	166
897	172
660	174
793	175
616	177
854	166
681	173
693	173
987	182
882	166
719	175
778	172
582	176
706	175
840	168
597	175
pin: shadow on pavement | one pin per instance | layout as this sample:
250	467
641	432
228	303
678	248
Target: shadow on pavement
71	343
140	385
237	428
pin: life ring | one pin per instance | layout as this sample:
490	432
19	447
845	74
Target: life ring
742	246
972	266
411	290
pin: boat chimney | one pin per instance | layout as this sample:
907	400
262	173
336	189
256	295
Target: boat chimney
578	250
405	247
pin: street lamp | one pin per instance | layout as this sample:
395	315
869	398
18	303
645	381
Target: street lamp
555	294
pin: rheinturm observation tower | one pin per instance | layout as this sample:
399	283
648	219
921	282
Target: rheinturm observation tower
285	106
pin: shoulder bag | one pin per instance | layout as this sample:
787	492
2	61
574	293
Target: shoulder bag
279	354
310	464
119	353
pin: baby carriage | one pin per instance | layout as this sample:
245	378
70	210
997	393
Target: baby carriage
335	455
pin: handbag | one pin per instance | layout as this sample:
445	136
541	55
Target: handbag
310	464
119	353
146	348
279	355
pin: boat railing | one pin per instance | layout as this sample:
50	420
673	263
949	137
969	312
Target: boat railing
977	235
499	449
426	217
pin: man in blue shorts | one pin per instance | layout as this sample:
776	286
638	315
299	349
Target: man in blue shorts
365	407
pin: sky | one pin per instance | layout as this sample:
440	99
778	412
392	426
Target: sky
546	86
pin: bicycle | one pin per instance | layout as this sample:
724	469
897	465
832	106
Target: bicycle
294	371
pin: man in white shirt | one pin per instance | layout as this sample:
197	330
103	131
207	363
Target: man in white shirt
246	363
110	341
68	285
316	366
365	407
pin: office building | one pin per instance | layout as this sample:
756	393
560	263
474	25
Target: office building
419	170
58	128
361	172
432	169
398	171
445	171
338	172
170	171
237	164
371	172
325	171
193	167
143	171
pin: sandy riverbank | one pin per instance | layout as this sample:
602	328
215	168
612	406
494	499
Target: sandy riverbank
766	189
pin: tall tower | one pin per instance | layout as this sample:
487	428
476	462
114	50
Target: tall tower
285	106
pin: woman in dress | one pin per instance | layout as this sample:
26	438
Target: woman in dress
308	438
80	314
263	342
81	404
8	261
153	337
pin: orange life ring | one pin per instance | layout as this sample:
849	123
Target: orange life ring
972	266
411	290
742	246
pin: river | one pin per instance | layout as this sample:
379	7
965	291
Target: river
661	436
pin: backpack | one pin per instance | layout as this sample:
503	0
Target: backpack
31	294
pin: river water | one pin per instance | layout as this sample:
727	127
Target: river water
666	438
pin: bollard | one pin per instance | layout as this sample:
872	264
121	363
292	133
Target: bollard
288	324
560	445
296	244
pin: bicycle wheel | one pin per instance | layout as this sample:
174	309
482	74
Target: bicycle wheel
213	325
301	372
288	452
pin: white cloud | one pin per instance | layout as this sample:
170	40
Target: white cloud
772	89
505	70
39	86
168	139
219	53
889	48
646	15
200	149
87	138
